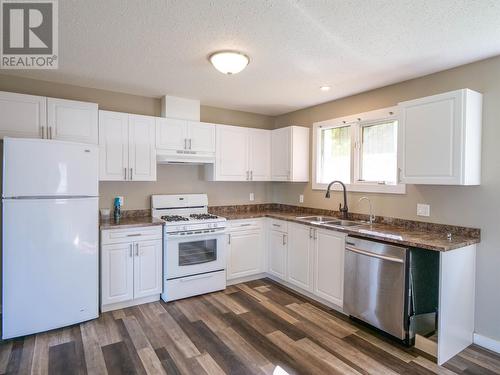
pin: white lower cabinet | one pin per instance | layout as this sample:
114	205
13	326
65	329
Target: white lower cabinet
328	270
117	273
131	271
300	256
277	253
308	258
245	250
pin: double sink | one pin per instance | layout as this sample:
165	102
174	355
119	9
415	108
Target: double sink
330	221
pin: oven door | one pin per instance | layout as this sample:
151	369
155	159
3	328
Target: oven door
193	254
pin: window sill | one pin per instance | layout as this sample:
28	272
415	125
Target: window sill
364	188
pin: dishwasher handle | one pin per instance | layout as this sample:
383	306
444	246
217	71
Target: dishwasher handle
373	255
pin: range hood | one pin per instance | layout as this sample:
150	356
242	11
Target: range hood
183	157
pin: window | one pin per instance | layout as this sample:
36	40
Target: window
378	152
359	150
336	154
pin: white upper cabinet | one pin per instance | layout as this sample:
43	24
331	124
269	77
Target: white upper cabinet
28	116
127	149
171	134
182	136
231	160
259	154
142	150
290	154
201	137
70	120
113	146
22	115
440	139
242	154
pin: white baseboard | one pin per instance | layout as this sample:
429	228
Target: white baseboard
244	279
487	342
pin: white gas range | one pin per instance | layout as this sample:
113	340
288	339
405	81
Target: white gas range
194	246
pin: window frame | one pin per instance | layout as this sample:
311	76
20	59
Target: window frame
356	122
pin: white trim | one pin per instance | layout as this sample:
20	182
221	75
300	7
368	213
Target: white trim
487	342
355	121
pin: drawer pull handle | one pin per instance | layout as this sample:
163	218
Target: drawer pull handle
134	235
185	280
277	225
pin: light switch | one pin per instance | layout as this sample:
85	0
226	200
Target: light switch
252	197
301	198
423	209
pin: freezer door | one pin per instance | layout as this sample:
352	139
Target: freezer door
50	264
41	167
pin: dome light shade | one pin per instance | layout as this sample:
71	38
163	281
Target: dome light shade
229	62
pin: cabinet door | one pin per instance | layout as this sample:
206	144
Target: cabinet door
117	273
171	134
22	116
147	268
277	254
430	139
232	153
259	154
280	157
142	148
113	146
69	120
201	137
300	256
329	266
245	253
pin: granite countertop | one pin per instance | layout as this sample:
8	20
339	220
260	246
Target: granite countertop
130	222
402	235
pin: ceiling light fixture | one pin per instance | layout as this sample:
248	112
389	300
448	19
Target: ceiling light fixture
229	62
325	88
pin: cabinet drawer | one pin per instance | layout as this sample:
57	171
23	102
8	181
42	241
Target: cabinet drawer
111	236
237	225
278	225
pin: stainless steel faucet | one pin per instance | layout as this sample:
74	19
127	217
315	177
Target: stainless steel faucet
372	216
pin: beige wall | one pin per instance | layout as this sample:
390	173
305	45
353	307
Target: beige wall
471	206
171	178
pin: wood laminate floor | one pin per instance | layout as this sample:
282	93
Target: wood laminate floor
250	328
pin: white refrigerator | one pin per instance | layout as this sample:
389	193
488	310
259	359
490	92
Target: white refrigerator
50	237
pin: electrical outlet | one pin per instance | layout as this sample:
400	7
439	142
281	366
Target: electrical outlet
301	198
252	197
423	209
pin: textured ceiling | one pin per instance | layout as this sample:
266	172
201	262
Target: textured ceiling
157	47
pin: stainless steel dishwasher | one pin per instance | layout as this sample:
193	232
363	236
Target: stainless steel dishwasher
377	286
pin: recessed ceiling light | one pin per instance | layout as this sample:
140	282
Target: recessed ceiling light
229	62
325	88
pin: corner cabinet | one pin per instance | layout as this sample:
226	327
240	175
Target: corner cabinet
131	266
127	149
440	139
290	154
29	116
